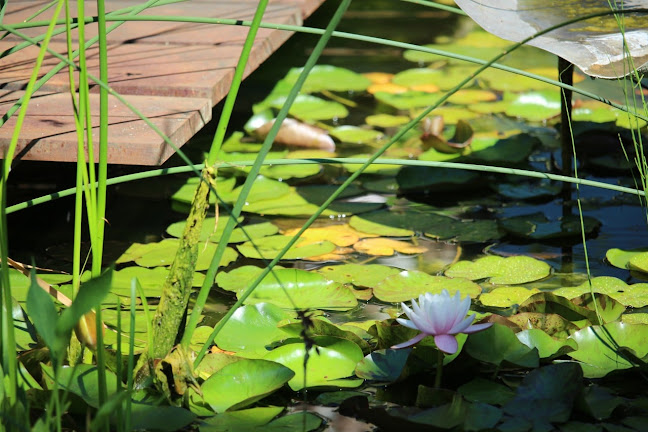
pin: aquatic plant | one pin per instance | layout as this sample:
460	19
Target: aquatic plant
441	316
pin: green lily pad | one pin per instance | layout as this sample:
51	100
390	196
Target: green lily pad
471	96
635	318
452	114
360	275
498	344
501	271
163	254
506	296
321	326
242	383
262	189
161	418
307	107
186	193
386	120
485	391
537	226
522	191
413	178
326	77
551	391
596	347
418	76
251	329
213	231
234	143
635	259
547	346
238	279
513	150
407	100
410	284
535	106
294	288
269	247
548	303
331	365
382	365
635	295
478	231
151	280
356	135
245	419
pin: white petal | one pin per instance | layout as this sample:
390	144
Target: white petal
461	326
407	323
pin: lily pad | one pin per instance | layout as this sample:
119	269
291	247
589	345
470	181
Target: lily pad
331	365
251	329
212	231
386	120
513	150
411	179
360	275
636	259
163	254
547	346
294	288
506	296
269	247
307	107
245	419
326	77
485	391
635	295
356	135
537	226
383	365
151	280
242	383
238	279
535	106
501	271
387	247
598	347
523	191
410	284
407	100
498	344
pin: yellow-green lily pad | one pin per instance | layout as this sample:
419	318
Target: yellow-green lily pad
500	270
506	296
636	259
386	120
269	247
410	284
307	107
635	295
356	135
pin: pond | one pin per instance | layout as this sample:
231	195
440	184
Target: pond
510	243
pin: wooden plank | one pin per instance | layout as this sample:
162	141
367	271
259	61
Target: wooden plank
48	131
172	71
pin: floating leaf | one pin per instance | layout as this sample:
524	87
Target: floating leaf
414	178
498	344
548	303
242	383
360	275
635	295
307	107
485	391
513	150
598	347
386	120
321	326
262	189
521	191
269	248
251	329
379	77
339	235
551	391
389	88
506	296
326	77
356	135
331	365
240	278
636	259
151	280
552	324
407	100
293	288
387	247
547	346
245	419
408	285
164	252
382	365
471	96
213	232
500	271
537	226
535	106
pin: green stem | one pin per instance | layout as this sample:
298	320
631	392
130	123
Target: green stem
439	369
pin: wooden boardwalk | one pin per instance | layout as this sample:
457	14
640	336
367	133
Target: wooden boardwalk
173	72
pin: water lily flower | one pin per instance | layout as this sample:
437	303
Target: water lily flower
441	316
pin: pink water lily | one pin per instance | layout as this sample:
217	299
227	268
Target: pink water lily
441	316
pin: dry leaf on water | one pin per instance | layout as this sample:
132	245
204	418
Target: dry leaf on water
296	134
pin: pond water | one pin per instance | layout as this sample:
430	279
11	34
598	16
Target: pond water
498	205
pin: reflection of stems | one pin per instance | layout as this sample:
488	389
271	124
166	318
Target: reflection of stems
437	378
338	98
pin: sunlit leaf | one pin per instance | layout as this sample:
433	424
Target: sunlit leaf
386	120
387	247
506	296
408	285
499	270
307	107
331	365
356	135
326	77
635	295
498	344
360	275
269	248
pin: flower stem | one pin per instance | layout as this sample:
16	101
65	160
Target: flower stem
439	370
